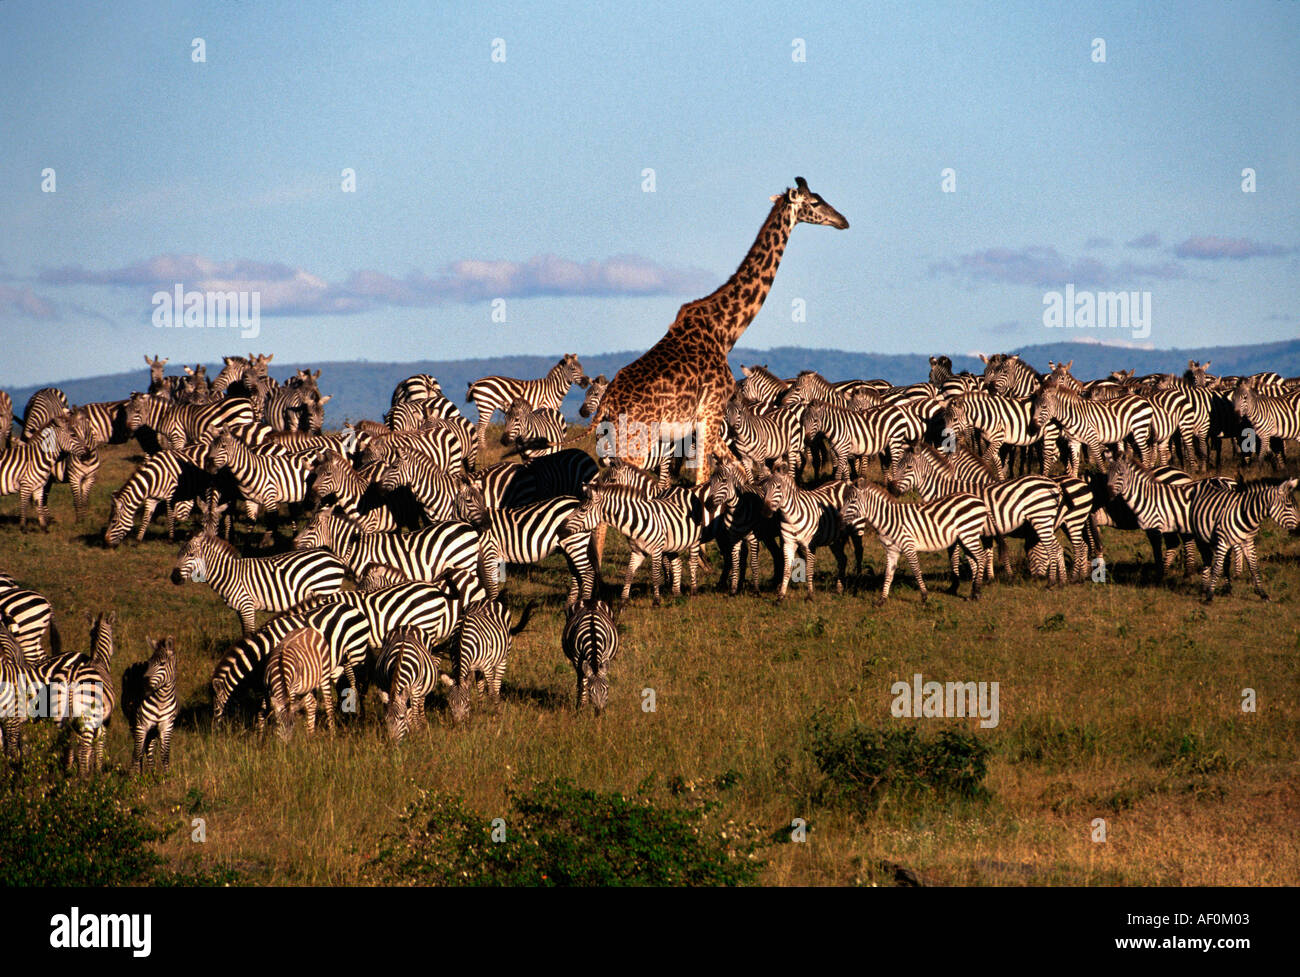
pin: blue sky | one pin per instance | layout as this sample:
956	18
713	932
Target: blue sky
522	179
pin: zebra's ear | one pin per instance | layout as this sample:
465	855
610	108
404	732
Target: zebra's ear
383	697
1290	485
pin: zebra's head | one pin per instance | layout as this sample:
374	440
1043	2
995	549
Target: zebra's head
814	418
101	635
458	702
777	487
595	390
397	707
809	208
395	470
760	385
1197	374
1121	477
803	389
160	671
940	368
319	531
471	503
517	415
220	451
905	474
955	417
1282	506
590	512
192	562
119	520
597	687
571	369
1045	406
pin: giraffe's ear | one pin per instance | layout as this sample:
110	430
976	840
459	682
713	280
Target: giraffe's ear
776	196
801	183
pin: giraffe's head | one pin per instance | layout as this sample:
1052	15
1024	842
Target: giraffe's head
809	207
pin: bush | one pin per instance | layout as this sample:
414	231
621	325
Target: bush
862	763
61	830
560	835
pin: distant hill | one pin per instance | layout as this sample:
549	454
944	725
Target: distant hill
363	389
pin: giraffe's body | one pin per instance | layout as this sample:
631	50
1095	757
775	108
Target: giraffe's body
682	384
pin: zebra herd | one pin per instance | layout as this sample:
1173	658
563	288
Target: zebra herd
406	510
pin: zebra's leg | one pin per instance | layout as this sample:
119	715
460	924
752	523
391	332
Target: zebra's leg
634	561
675	571
695	567
810	561
165	739
975	553
915	562
247	615
309	703
954	559
582	687
1216	562
1252	561
789	546
140	734
751	544
327	699
891	561
656	572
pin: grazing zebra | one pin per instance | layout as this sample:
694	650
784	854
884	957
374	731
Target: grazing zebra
492	394
1094	424
150	703
376	576
13	684
1269	416
25	469
535	432
1001	421
479	653
654	527
42	408
590	642
434	488
406	674
266	482
595	390
852	435
346	630
740	522
31	621
1027	504
809	518
362	498
82	693
297	667
905	529
174	479
422	555
761	438
1228	517
529	534
260	583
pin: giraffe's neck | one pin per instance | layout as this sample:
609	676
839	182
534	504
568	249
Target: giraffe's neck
731	308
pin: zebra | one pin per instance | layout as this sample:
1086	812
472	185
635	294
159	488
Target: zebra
1227	517
434	608
1010	376
25	468
79	469
758	439
590	642
420	398
159	385
421	555
1094	424
377	576
740	522
297	667
809	519
529	534
513	484
82	693
952	522
31	621
150	703
1193	385
43	407
810	386
436	438
266	482
882	431
761	385
177	426
595	390
654	527
1001	421
1031	502
265	583
492	394
1269	416
360	496
535	432
107	422
952	384
406	674
7	419
479	653
434	488
173	478
295	408
13	684
346	631
422	386
237	369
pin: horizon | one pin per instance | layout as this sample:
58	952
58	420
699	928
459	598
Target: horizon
397	178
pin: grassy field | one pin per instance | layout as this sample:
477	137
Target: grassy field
1119	701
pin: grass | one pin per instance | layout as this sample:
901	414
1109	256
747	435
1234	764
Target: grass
1119	701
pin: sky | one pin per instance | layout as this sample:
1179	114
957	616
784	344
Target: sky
499	200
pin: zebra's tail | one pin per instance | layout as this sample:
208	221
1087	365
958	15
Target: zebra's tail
523	619
56	640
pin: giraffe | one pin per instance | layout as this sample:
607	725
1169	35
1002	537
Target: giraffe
682	384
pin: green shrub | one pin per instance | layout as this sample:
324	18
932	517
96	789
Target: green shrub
862	763
557	834
57	829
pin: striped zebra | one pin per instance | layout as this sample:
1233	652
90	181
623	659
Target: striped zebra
7	419
150	703
295	408
952	384
760	385
809	386
267	483
480	652
82	696
25	468
173	479
160	386
31	620
236	369
377	576
434	608
333	478
809	519
1193	386
107	421
436	438
1227	517
534	432
528	535
1026	506
590	642
1010	376
1269	416
905	529
42	408
591	400
296	669
177	426
1096	425
492	394
654	527
79	469
415	402
260	583
740	522
240	669
762	438
13	685
1001	421
422	386
406	674
434	489
854	435
513	484
421	555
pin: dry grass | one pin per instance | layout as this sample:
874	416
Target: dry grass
1100	687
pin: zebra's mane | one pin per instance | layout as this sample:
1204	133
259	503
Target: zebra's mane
222	546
